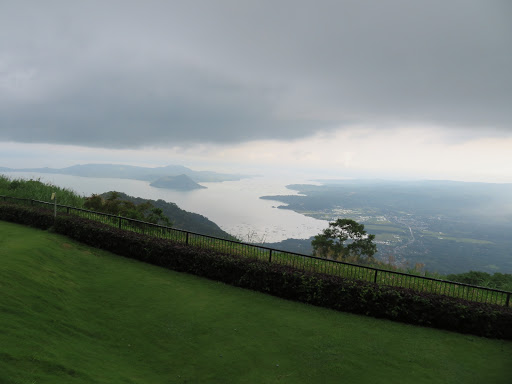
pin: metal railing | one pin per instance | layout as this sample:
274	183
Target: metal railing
295	260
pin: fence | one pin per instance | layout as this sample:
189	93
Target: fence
296	260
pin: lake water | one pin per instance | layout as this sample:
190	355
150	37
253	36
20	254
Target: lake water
233	205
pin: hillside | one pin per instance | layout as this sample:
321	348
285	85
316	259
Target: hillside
75	314
34	189
180	218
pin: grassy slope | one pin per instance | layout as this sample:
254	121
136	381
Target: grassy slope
37	190
72	314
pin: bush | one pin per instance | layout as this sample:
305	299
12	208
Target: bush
34	217
328	291
38	190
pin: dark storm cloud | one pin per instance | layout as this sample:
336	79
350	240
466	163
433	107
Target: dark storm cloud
125	111
125	74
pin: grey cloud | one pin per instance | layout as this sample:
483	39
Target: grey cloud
117	110
126	74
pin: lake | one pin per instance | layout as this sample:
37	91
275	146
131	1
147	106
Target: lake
233	205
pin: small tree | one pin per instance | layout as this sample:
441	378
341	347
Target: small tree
331	242
115	206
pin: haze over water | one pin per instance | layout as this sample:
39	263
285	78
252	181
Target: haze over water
234	205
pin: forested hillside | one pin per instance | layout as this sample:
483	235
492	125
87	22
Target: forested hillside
181	219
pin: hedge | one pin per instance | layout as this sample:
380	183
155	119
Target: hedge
342	294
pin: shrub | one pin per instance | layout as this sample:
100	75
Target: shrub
34	217
361	297
38	190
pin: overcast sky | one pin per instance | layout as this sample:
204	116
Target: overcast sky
381	88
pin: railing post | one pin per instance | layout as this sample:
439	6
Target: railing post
463	290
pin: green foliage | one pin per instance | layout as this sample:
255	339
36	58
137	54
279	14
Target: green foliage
318	289
34	217
114	205
497	280
332	242
37	190
181	219
71	314
329	291
159	212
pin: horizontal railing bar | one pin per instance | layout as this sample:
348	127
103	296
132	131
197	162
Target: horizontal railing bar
273	250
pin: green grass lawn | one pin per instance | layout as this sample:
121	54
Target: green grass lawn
73	314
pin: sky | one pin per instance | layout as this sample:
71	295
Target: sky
336	89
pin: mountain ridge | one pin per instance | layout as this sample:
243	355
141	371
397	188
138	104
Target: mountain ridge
121	171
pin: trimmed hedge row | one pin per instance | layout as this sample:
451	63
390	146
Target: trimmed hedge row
34	217
328	291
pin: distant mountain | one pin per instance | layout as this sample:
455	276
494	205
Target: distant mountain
133	172
180	183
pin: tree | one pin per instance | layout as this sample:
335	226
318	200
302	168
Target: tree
115	206
344	240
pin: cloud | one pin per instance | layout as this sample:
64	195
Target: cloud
123	110
130	74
